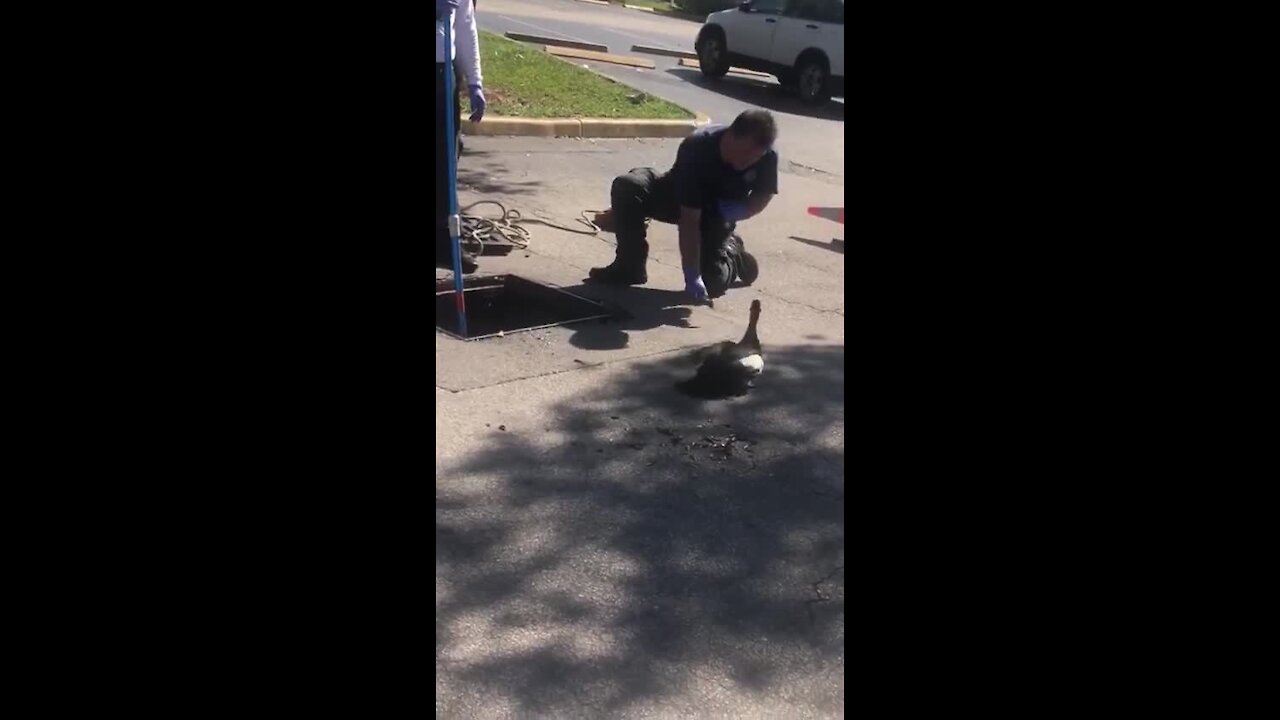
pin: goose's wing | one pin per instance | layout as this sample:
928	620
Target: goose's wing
701	354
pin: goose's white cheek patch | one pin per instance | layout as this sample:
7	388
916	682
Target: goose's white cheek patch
754	363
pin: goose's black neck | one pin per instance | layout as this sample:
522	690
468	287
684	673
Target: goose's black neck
751	339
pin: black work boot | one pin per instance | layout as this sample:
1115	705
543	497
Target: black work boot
748	267
619	273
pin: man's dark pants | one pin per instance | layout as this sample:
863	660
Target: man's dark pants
643	194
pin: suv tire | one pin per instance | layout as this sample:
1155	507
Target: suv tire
713	56
813	80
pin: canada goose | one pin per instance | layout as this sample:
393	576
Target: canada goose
730	368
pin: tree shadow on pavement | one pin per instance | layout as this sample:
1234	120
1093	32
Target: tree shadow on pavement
644	552
485	172
765	94
490	182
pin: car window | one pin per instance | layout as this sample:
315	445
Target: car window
830	11
835	13
768	7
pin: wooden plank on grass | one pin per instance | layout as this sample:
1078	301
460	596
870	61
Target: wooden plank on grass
541	40
599	57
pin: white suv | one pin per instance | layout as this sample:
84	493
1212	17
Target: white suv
799	41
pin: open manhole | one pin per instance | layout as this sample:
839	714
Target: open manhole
509	304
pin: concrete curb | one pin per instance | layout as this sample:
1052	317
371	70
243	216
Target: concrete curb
641	8
686	62
651	50
542	40
585	127
595	2
598	57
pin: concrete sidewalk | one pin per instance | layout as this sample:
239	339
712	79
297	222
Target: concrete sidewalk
607	547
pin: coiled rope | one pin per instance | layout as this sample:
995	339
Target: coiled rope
510	228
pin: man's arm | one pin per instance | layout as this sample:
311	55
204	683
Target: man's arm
761	195
766	187
758	202
690	199
737	211
690	227
468	43
690	224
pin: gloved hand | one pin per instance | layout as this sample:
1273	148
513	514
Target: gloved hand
732	210
694	286
444	6
476	95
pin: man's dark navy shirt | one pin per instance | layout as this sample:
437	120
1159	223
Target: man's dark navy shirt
704	178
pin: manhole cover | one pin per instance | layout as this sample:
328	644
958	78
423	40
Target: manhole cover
509	304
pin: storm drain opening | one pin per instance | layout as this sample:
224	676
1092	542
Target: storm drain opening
505	304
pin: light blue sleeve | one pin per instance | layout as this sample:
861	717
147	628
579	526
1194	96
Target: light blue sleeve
467	41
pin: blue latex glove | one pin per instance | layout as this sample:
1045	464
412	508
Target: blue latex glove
732	210
443	6
476	95
694	286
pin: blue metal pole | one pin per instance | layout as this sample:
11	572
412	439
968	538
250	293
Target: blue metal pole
451	144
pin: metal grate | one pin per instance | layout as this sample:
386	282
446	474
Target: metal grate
505	304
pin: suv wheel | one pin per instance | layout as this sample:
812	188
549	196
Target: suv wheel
813	81
713	56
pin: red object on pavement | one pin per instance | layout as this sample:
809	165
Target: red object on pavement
828	213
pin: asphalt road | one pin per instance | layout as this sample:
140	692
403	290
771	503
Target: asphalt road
811	140
605	546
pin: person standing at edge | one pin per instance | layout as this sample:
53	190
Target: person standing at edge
722	176
461	13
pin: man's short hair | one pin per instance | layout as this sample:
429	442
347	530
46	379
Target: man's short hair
757	125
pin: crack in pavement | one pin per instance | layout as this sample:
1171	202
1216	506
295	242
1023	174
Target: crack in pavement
819	596
817	583
803	305
794	168
824	269
582	365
